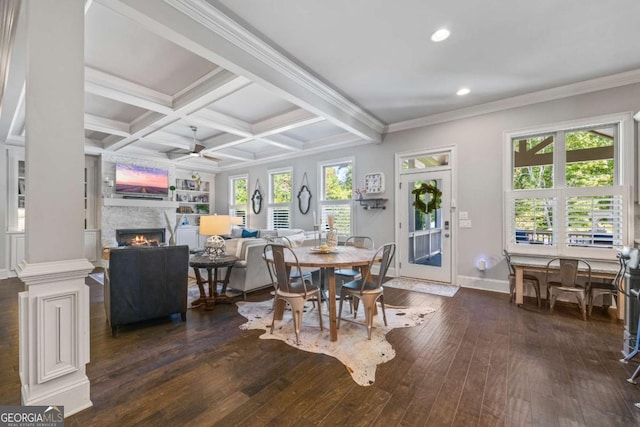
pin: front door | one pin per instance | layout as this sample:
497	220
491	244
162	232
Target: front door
425	238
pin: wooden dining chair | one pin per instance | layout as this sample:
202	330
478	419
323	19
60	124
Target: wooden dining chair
567	269
369	290
293	292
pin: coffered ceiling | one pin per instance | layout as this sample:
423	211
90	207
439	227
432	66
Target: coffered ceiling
262	80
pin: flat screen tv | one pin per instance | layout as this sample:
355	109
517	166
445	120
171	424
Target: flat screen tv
141	180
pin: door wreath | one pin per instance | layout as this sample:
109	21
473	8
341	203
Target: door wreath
435	198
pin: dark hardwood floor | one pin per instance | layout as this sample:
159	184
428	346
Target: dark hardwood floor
477	360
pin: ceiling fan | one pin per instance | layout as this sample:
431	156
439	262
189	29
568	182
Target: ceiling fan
197	148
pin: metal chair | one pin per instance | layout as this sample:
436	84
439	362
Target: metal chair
526	278
568	281
604	289
368	290
294	292
348	274
285	241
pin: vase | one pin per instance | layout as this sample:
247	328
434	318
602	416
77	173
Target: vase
332	238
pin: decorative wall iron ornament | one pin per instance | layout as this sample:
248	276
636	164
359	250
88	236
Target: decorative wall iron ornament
256	199
435	198
304	196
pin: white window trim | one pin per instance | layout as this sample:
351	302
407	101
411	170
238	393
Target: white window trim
270	203
232	205
624	176
320	199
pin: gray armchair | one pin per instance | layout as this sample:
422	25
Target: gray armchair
145	283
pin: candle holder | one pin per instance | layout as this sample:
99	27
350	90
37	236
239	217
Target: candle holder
317	236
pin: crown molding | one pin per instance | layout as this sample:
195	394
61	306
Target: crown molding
219	23
587	86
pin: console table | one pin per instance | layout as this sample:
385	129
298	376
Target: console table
599	270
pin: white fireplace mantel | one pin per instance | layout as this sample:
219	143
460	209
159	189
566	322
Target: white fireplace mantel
140	203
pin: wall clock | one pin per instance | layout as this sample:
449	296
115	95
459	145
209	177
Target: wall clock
374	182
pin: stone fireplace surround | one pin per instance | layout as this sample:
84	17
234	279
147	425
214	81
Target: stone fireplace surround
114	218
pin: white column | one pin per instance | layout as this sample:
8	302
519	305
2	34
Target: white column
54	308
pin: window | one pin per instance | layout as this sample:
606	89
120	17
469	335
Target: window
238	199
280	190
568	188
336	195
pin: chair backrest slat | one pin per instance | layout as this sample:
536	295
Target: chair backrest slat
568	269
388	251
278	268
365	242
507	257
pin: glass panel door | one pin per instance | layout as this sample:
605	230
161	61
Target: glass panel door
425	237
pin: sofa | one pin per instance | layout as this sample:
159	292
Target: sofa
144	283
250	271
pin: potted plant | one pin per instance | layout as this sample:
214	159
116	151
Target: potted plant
172	188
202	208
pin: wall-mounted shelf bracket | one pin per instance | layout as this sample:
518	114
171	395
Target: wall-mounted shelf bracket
372	203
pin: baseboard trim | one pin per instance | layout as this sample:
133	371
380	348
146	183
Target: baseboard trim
74	397
492	285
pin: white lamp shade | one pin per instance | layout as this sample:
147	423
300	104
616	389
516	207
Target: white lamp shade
212	225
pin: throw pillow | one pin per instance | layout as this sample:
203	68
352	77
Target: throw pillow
236	232
247	233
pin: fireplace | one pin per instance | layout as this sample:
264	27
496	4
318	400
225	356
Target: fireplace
140	236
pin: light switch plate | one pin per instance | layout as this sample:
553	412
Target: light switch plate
465	223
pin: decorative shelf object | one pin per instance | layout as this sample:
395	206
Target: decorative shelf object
374	183
372	203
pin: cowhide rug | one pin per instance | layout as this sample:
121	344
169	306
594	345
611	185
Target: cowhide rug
359	355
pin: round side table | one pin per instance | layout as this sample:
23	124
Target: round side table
212	266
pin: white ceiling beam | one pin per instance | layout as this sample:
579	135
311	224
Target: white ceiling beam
15	140
206	31
232	153
9	12
218	86
13	91
167	140
101	124
320	146
226	140
121	90
284	122
283	141
219	121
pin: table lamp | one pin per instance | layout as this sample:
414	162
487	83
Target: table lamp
213	226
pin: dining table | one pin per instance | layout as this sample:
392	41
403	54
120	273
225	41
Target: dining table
328	261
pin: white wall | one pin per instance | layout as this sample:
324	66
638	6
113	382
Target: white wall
479	142
3	213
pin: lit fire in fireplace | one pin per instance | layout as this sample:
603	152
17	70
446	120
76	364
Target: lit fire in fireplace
143	241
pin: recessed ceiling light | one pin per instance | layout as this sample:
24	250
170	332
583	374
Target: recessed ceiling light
441	34
463	91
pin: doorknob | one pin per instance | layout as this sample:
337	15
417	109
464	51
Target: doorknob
446	234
